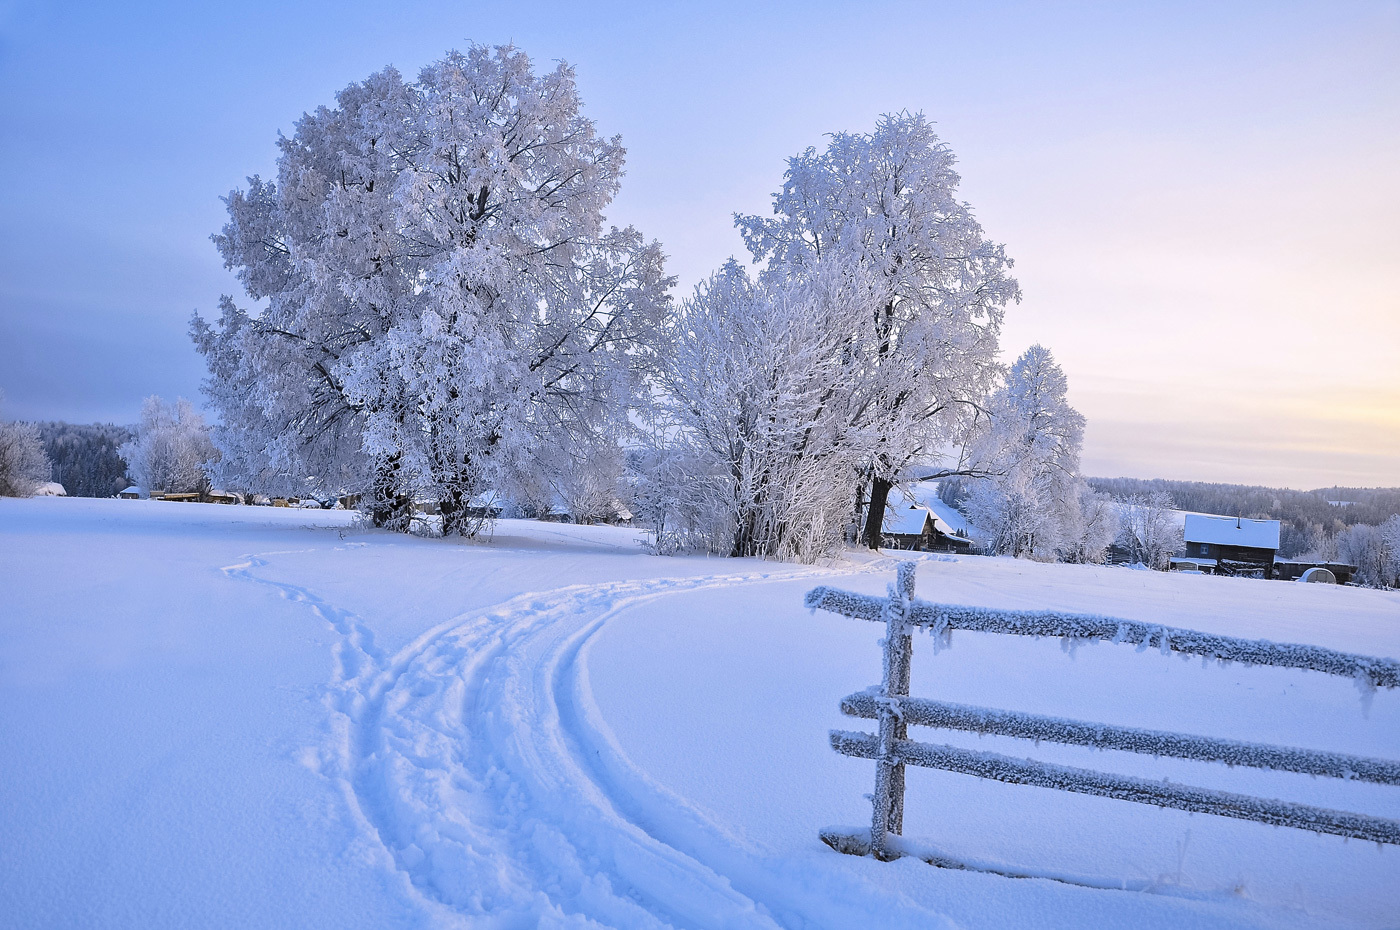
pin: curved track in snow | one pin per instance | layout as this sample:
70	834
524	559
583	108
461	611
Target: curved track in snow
477	759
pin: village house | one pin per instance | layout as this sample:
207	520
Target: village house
1232	545
915	527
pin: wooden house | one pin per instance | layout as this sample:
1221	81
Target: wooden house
1236	546
915	527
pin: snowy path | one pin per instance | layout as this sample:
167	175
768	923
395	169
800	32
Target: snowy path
477	758
631	751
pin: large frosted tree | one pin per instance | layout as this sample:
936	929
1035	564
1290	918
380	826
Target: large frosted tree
883	206
442	294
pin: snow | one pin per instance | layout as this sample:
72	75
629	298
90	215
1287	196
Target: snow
905	521
1231	531
219	716
51	489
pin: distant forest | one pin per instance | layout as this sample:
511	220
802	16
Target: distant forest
84	457
1304	515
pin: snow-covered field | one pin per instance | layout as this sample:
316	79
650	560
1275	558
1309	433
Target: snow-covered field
226	716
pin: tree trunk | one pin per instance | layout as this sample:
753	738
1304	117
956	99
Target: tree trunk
857	527
390	508
875	514
453	507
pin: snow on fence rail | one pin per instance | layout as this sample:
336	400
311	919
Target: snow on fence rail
889	704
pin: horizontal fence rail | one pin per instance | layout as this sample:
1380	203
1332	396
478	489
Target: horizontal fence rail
1381	673
947	716
891	706
1122	787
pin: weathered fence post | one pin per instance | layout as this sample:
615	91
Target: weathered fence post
888	815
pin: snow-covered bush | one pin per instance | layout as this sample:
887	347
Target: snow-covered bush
23	464
171	448
444	299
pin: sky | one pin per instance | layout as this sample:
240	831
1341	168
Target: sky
1203	201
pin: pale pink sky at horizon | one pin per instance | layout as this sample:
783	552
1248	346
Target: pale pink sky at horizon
1203	200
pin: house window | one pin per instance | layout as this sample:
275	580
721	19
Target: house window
1205	548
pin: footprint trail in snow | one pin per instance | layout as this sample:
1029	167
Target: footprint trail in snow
477	760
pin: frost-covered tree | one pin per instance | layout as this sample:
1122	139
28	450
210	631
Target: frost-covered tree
23	464
1390	541
922	356
1372	550
444	298
84	457
1090	527
757	387
1032	502
1149	530
170	449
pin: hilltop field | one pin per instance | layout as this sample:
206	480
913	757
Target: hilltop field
256	717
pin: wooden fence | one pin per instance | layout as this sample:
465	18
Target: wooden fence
893	708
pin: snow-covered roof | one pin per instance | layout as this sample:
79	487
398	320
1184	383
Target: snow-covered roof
50	489
1232	531
925	494
905	520
942	526
133	490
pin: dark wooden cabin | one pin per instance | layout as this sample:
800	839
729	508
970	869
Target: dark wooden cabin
1237	546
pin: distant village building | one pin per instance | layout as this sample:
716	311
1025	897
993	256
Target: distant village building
1233	545
915	527
132	493
1295	569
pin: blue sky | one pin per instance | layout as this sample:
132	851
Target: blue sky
1203	200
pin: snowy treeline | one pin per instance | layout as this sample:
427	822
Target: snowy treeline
446	310
171	451
1374	550
84	457
1310	521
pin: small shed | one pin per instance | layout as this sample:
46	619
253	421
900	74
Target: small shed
1236	545
132	493
1295	569
51	489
